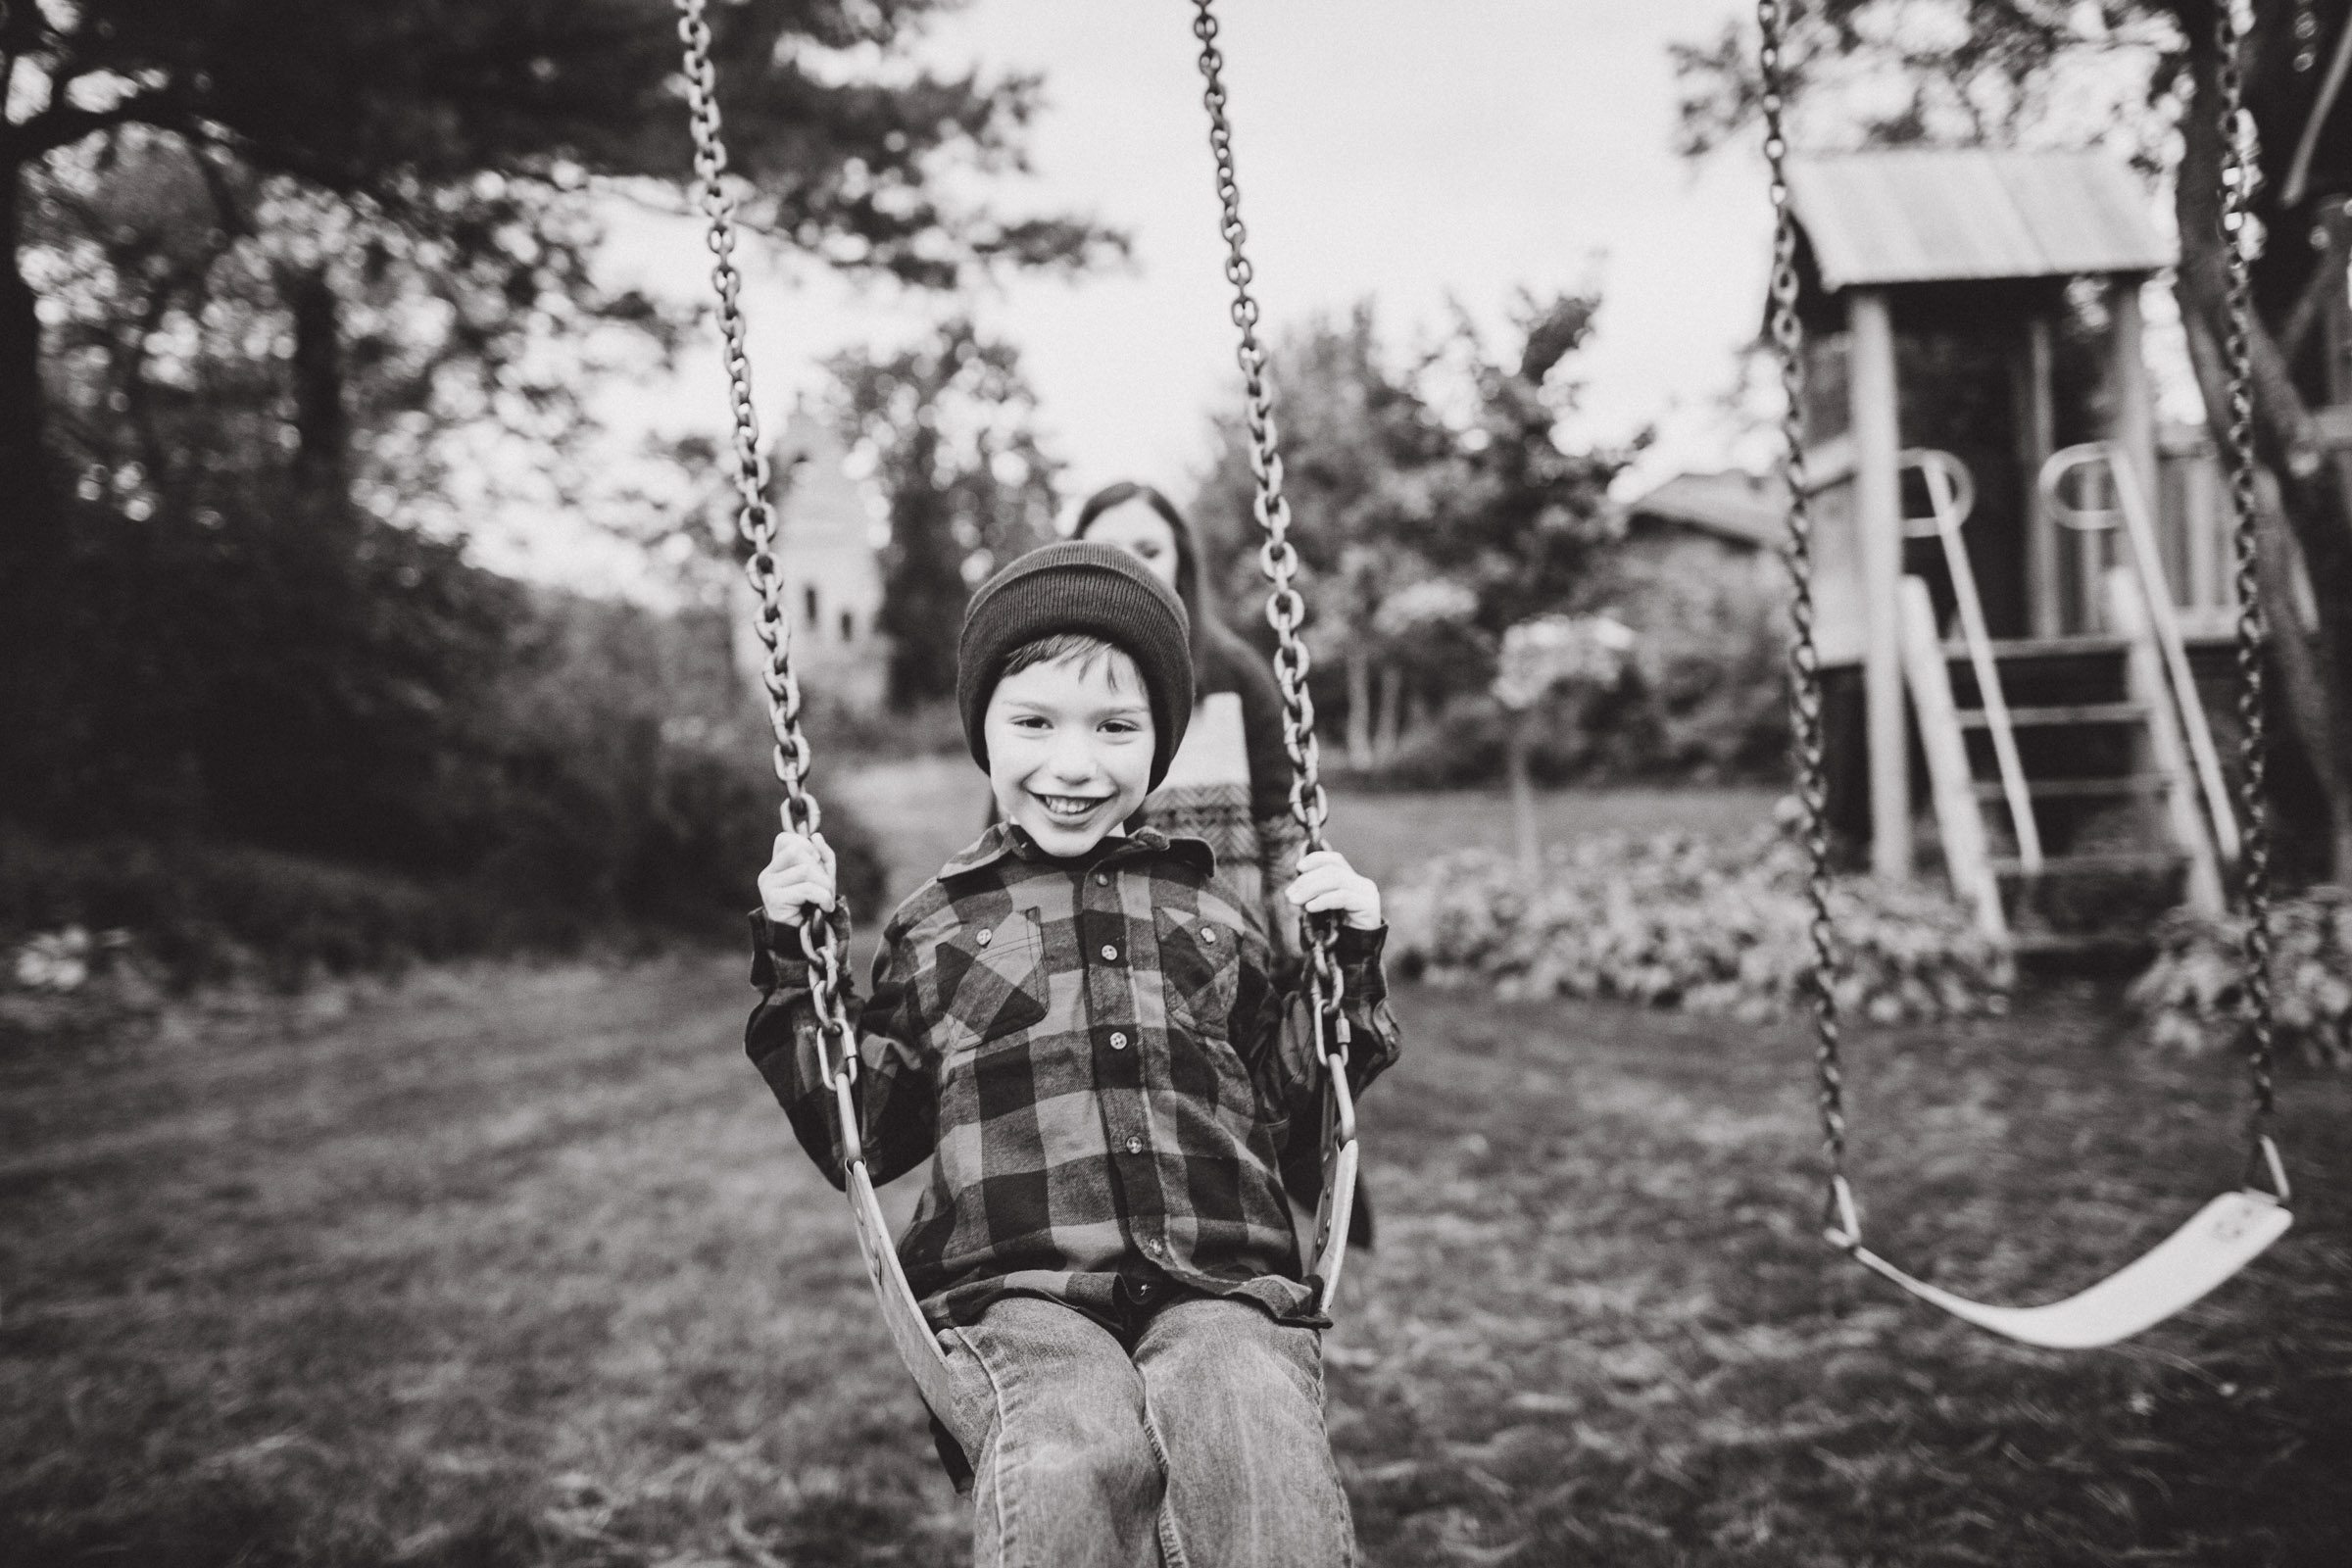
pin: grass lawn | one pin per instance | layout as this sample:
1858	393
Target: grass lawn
520	1268
1386	834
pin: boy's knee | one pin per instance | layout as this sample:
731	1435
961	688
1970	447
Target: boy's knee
1109	1461
1053	1494
1286	1358
1236	1354
1065	1416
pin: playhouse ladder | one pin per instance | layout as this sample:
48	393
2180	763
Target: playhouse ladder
2082	747
2107	776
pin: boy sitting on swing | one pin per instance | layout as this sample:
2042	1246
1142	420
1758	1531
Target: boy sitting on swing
1087	1037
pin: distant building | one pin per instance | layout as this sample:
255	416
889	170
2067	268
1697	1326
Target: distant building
1735	509
1716	525
827	541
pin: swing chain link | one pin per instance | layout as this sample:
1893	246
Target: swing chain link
1804	652
823	941
1277	556
2252	633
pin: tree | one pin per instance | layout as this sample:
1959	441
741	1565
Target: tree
1359	440
199	317
950	423
406	119
1434	502
2003	70
1539	657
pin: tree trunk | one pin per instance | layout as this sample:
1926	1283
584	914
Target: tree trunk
2303	679
923	593
1388	734
2316	493
321	421
2302	684
1359	707
1524	837
32	528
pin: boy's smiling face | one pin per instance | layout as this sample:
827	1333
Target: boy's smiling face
1069	748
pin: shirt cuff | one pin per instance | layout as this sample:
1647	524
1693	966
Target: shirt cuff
777	961
1354	946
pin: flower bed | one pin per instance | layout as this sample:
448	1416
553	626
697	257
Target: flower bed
2192	999
1714	926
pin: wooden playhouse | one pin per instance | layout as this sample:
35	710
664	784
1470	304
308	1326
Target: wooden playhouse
2023	584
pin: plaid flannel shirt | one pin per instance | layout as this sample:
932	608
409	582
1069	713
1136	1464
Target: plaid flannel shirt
1094	1050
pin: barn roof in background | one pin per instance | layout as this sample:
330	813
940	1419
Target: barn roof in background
1935	215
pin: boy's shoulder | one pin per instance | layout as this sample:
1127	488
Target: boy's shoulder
928	907
951	895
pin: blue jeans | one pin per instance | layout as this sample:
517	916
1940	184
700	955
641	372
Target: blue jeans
1202	1447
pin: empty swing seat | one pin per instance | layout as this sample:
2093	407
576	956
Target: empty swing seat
2218	1240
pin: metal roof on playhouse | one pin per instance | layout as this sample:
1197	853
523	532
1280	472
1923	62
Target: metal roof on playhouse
1970	214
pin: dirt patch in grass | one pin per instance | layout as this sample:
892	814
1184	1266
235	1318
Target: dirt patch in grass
523	1267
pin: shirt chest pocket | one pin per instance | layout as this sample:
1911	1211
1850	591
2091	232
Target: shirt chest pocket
989	982
1201	969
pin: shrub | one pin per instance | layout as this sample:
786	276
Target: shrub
212	913
198	914
1709	659
710	828
347	693
2193	999
1680	921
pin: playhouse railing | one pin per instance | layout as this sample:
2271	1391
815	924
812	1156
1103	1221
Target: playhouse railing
1952	497
2132	516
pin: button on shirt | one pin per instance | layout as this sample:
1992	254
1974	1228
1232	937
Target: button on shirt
1094	1050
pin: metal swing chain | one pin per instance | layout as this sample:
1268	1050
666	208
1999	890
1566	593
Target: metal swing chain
755	519
1278	557
2237	462
1804	652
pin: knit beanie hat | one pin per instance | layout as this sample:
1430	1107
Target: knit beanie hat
1079	586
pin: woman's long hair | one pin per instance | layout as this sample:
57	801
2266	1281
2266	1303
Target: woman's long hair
1212	639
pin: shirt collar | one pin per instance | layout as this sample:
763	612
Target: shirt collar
1005	841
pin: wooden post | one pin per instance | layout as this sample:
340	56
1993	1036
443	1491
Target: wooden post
2200	527
1359	706
1878	516
1388	731
1525	838
2037	434
2134	406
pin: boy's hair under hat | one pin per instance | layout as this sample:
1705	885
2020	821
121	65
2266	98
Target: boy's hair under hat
1079	586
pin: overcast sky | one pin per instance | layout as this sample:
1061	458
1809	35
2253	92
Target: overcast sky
1408	151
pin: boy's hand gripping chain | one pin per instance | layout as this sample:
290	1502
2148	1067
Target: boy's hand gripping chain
824	942
1279	559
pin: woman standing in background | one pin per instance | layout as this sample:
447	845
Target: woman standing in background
1229	782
